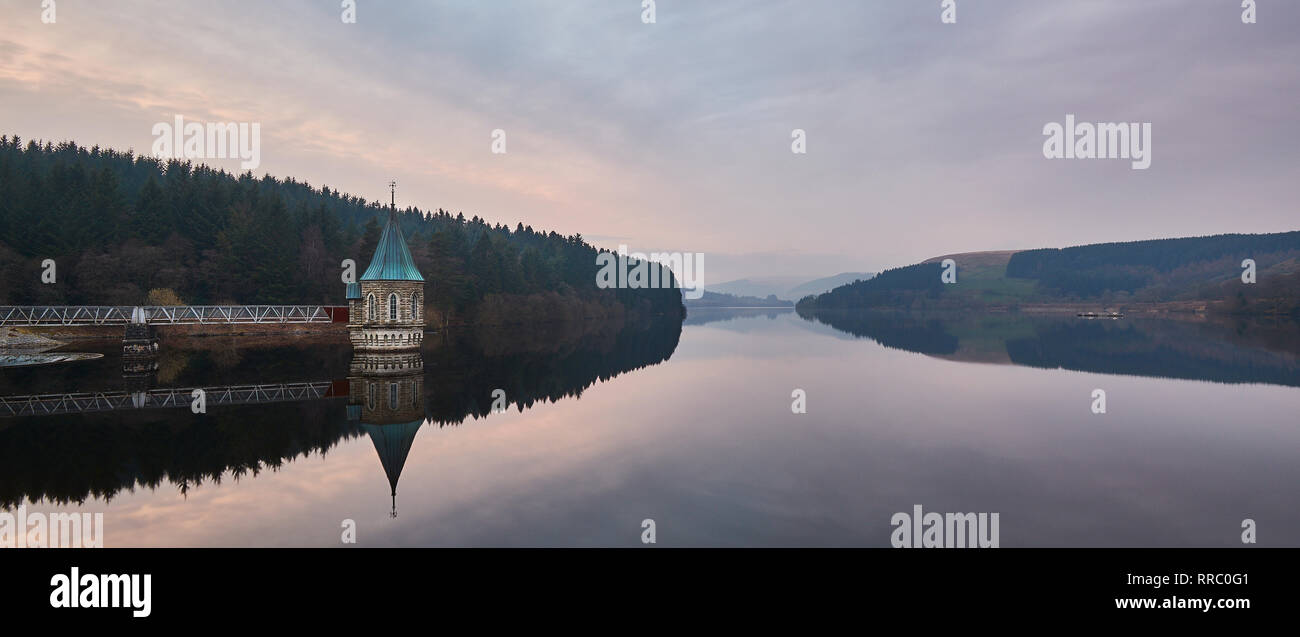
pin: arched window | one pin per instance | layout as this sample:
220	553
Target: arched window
415	306
392	307
392	395
370	307
370	396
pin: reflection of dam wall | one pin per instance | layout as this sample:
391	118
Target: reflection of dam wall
170	398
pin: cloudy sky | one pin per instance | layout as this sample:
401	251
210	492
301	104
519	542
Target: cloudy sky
923	138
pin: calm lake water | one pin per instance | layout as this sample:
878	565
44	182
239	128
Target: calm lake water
686	424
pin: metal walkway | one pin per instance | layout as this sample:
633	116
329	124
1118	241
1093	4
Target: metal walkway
33	315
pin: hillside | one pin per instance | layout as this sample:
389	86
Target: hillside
825	284
1169	274
119	226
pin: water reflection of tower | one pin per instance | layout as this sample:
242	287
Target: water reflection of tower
386	394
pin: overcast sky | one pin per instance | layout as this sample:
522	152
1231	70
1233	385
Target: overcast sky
923	138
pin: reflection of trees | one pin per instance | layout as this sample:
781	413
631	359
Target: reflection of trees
76	457
1237	351
459	377
705	315
170	368
72	458
897	330
1167	349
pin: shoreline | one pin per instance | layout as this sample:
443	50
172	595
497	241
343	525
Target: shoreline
22	340
46	337
1168	309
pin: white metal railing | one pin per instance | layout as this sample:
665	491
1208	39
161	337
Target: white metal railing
52	404
33	315
64	315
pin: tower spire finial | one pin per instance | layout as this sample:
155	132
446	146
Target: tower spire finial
392	199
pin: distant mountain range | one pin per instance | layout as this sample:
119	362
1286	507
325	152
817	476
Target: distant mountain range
1187	274
789	288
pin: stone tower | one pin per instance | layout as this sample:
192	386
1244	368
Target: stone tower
386	309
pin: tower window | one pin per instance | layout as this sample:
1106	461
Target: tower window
392	307
370	307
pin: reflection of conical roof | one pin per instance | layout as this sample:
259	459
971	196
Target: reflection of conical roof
392	260
393	442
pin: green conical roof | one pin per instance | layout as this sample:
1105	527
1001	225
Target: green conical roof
392	260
